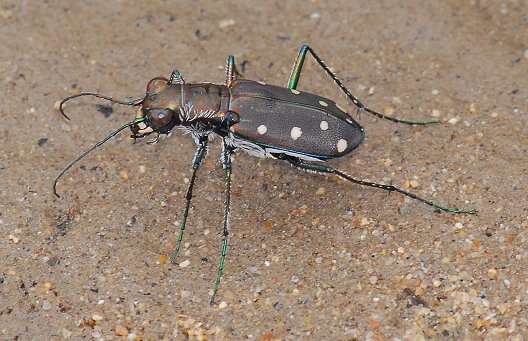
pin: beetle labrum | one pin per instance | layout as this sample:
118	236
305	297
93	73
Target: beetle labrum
267	121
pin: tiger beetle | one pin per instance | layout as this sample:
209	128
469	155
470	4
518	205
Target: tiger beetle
263	120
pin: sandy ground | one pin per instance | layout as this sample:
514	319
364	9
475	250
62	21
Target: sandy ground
310	257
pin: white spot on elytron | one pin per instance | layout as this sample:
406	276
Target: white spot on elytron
295	133
261	83
341	145
323	103
296	92
262	129
323	125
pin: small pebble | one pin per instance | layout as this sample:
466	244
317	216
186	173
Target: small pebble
97	317
414	184
226	23
453	120
364	221
267	263
185	263
389	111
436	113
163	259
371	90
124	175
459	225
206	232
494	114
222	305
437	283
142	169
319	260
132	337
435	92
120	330
375	325
315	16
13	239
492	273
526	54
373	279
42	141
294	279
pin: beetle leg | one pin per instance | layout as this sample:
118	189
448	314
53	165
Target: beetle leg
231	71
296	74
226	163
199	156
297	67
318	168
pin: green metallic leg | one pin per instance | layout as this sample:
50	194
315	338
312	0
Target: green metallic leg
297	67
201	152
226	162
296	74
317	168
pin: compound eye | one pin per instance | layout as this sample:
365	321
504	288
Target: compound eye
160	117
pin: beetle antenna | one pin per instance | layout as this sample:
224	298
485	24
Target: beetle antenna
133	103
98	144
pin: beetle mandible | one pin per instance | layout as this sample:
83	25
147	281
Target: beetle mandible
263	120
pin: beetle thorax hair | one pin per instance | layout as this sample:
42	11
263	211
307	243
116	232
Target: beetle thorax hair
188	114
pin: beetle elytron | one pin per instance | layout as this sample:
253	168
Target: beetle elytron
268	121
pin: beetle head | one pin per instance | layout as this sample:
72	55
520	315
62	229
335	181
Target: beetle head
159	111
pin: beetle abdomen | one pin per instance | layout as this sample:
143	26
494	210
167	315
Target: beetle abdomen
292	121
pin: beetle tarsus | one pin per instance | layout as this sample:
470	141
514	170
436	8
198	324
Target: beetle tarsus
318	168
